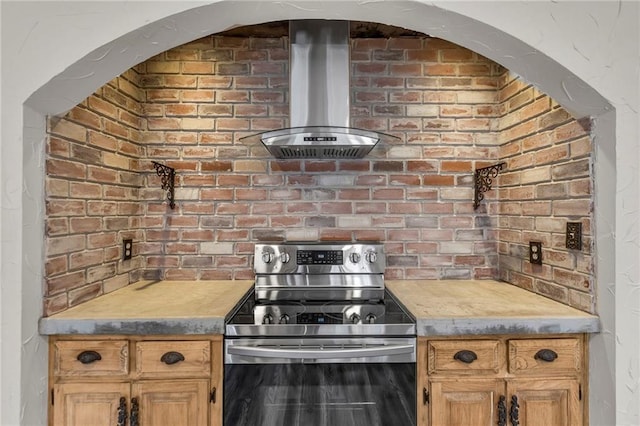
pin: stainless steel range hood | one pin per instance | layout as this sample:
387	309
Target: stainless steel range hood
319	98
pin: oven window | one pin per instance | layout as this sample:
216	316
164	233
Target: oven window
320	394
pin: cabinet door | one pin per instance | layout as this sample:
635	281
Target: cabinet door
543	402
96	404
465	402
217	365
172	402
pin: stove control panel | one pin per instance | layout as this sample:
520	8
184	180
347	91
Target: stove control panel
318	314
301	259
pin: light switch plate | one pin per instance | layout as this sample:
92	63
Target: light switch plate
574	236
535	252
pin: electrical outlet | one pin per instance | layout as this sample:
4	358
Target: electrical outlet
127	249
574	236
535	252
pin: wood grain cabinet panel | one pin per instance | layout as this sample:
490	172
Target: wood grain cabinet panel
173	402
545	356
175	380
509	380
462	357
173	359
96	404
85	358
467	402
546	402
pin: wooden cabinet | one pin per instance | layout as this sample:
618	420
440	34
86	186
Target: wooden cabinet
150	380
502	380
98	404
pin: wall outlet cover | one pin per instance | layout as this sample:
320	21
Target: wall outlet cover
535	252
127	249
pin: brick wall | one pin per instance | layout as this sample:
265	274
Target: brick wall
92	195
188	107
547	184
202	97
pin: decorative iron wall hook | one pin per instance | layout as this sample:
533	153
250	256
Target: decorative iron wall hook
167	175
483	181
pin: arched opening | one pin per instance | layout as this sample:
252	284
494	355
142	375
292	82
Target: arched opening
59	94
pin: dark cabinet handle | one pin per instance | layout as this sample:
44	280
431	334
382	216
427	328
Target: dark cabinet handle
465	356
172	357
135	411
87	357
212	396
425	396
546	355
514	413
122	412
502	411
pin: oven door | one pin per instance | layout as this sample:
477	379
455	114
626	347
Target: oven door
333	382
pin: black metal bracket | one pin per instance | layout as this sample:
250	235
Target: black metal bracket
167	175
483	181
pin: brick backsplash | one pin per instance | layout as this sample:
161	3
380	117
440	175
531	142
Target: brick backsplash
548	183
453	110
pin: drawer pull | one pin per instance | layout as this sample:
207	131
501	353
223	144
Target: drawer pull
546	355
172	357
465	356
87	357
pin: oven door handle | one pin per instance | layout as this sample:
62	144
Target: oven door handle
302	353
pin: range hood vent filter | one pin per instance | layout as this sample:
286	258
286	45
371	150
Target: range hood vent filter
318	152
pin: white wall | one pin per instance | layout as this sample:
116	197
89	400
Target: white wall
584	54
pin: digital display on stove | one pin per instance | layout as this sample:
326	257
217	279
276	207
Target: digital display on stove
317	318
319	257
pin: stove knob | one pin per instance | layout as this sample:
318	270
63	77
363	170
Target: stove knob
284	319
354	318
370	318
266	257
284	257
267	319
371	256
354	257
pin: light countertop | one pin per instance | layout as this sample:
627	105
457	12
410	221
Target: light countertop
466	307
153	307
447	307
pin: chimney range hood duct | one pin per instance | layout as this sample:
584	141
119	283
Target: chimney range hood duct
319	98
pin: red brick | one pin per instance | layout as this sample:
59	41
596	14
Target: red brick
456	166
84	259
388	194
423	55
232	235
438	180
85	225
181	109
101	240
329	234
63	168
85	190
65	282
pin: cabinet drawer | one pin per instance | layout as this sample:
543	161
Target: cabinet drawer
465	356
545	356
85	358
173	359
